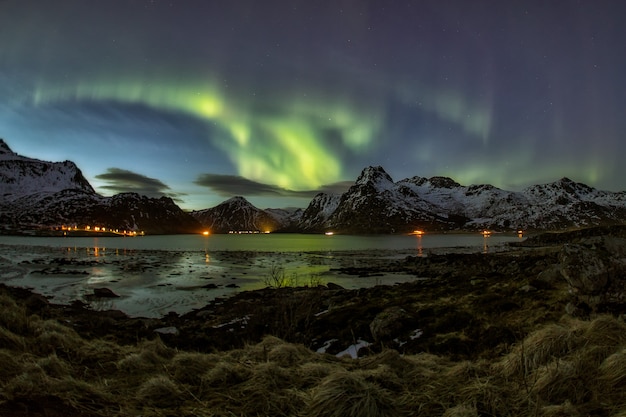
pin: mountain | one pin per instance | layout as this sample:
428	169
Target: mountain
238	215
22	176
377	204
315	217
36	194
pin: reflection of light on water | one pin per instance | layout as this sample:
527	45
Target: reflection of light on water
207	258
420	248
485	243
97	251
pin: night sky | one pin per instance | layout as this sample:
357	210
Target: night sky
276	100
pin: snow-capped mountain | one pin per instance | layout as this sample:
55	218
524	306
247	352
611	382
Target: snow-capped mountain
237	215
315	217
21	176
376	204
36	194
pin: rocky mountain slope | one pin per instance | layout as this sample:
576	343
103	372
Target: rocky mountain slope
21	176
37	194
377	204
238	215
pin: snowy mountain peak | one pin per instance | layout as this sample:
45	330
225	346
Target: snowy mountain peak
236	215
237	200
375	176
443	182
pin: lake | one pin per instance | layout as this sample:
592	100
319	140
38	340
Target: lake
155	275
276	242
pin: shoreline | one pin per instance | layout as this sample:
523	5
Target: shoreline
153	283
479	328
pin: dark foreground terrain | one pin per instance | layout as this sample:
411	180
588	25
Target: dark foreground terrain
537	330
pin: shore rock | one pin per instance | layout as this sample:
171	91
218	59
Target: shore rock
387	323
595	270
104	293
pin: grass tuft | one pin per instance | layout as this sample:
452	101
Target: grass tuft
159	391
350	395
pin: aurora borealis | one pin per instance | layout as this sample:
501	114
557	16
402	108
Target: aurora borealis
275	100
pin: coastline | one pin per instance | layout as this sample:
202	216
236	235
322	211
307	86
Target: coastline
477	328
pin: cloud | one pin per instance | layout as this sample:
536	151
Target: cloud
124	181
230	185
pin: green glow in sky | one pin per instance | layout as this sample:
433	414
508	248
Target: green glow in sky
285	143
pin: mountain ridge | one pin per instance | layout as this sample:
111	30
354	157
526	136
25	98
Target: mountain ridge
36	193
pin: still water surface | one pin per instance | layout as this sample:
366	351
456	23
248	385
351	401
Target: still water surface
270	242
154	275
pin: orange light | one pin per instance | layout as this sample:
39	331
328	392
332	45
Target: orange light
205	233
329	233
486	232
418	232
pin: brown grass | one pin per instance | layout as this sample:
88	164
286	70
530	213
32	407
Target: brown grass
159	391
348	394
573	367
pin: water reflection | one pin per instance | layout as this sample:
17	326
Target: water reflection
420	247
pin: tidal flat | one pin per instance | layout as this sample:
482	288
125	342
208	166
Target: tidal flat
153	283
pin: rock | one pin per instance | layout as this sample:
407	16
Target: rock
585	271
37	302
333	286
104	293
232	286
387	323
595	270
549	277
210	286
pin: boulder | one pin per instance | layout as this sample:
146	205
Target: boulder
388	323
584	269
104	293
595	271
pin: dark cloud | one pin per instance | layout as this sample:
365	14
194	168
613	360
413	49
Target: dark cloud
125	181
229	185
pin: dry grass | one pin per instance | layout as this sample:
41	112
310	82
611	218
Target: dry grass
349	394
539	348
159	391
573	368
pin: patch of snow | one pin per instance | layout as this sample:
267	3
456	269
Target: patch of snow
416	334
167	330
326	345
353	350
243	320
